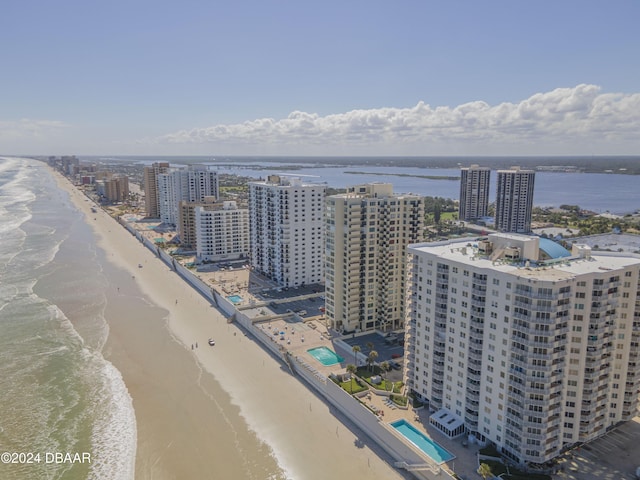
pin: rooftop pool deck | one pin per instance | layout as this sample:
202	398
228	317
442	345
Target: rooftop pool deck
325	356
424	443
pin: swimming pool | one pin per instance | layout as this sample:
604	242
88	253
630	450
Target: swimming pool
325	356
424	443
235	299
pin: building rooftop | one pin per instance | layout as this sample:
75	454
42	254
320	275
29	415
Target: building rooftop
553	249
560	267
619	242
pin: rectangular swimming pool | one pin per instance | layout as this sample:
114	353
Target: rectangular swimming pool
235	299
424	443
325	356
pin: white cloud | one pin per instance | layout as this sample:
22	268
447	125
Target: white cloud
26	128
567	120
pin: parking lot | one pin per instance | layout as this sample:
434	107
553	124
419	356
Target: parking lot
306	302
612	457
390	349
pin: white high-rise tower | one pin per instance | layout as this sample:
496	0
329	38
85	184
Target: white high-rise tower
287	230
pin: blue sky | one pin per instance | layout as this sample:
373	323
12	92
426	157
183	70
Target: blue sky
320	78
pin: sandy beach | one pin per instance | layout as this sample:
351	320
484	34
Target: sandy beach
229	411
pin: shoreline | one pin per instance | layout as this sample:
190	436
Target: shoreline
272	403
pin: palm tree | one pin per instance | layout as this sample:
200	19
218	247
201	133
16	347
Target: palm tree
385	367
370	346
372	358
356	349
485	471
351	368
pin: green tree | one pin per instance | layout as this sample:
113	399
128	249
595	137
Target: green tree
484	471
351	369
371	358
437	213
385	367
356	349
370	346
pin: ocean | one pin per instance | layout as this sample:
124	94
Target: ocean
58	394
73	327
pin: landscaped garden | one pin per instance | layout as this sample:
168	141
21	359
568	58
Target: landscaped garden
366	373
353	385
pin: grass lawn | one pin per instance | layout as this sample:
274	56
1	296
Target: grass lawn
352	386
399	400
366	373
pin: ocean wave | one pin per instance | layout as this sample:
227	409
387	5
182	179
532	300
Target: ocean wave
110	409
57	391
114	433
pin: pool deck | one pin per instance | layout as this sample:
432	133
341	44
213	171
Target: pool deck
315	333
465	462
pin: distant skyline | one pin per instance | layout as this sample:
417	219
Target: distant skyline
332	78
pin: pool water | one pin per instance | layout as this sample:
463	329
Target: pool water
235	298
325	356
424	443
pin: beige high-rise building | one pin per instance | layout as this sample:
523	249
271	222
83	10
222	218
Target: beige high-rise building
367	232
187	220
150	181
116	188
522	344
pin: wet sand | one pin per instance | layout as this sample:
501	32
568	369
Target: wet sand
229	411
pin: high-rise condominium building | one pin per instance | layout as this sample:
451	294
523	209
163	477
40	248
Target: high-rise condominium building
367	231
116	188
522	344
514	200
474	192
286	227
187	220
222	231
191	184
150	181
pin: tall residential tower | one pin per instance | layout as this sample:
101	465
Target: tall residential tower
191	184
474	192
287	230
520	343
514	200
367	232
150	181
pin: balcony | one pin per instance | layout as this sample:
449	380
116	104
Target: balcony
471	422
